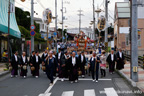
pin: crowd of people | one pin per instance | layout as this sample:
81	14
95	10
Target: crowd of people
67	64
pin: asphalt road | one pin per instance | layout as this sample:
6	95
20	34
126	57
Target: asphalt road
108	86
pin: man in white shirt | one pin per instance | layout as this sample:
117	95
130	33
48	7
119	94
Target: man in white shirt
36	64
60	60
44	55
94	66
73	67
82	63
120	60
111	59
14	64
23	62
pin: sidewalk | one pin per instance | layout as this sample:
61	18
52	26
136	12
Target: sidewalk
2	67
126	74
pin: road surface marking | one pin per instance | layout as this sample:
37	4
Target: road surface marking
50	87
89	92
48	94
83	79
110	92
68	93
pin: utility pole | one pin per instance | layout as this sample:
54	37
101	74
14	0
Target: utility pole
47	36
56	21
62	23
32	23
94	19
8	31
106	16
80	14
134	43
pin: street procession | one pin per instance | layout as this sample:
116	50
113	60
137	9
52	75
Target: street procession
71	47
68	62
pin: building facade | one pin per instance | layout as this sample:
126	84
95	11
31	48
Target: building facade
122	25
15	34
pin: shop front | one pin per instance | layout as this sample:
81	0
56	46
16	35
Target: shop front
14	33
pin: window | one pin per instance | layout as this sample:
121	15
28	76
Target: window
139	40
127	39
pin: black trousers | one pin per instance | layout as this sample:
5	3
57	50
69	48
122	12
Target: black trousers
95	73
103	72
50	74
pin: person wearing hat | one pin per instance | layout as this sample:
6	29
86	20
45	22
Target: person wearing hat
82	63
14	64
23	64
44	55
73	67
36	64
31	61
50	63
94	66
60	60
111	59
103	64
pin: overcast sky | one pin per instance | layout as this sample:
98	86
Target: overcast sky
71	10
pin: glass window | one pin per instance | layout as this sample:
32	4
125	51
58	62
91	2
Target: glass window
123	14
127	39
124	10
139	40
122	4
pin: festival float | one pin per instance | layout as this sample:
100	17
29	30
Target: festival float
82	42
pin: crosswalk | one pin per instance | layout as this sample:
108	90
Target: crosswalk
88	92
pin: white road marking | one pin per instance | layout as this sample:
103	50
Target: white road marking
90	92
49	88
48	94
84	79
68	93
110	92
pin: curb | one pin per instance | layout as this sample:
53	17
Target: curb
127	78
4	73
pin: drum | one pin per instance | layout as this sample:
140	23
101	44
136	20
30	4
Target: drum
43	68
24	67
32	68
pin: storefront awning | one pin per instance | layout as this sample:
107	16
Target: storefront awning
14	30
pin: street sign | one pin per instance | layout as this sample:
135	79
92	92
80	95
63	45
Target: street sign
63	37
32	33
32	27
54	33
